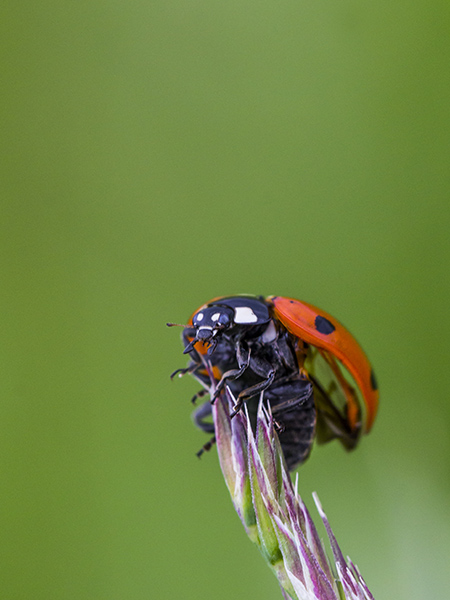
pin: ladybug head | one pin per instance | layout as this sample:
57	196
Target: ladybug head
208	322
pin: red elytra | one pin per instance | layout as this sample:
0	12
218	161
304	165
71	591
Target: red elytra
306	321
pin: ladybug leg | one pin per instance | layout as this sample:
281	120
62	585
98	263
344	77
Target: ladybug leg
190	369
199	394
331	423
296	414
199	416
353	408
207	447
279	427
252	391
243	360
286	355
261	367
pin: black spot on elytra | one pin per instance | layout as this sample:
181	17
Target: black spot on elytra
324	325
373	380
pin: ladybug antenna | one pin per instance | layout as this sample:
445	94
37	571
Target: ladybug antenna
177	325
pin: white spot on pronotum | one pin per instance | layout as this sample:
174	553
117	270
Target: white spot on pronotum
270	333
199	317
215	316
244	315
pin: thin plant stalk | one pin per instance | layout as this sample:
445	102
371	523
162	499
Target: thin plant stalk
273	513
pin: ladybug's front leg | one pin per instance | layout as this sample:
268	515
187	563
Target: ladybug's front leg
243	360
190	369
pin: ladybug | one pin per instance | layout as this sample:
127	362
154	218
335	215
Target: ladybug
310	369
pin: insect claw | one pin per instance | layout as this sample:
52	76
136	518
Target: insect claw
207	447
279	427
237	408
179	372
199	394
214	396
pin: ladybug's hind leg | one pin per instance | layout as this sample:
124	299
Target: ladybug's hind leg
200	415
207	447
294	411
198	395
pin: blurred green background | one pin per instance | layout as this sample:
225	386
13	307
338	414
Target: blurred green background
157	154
